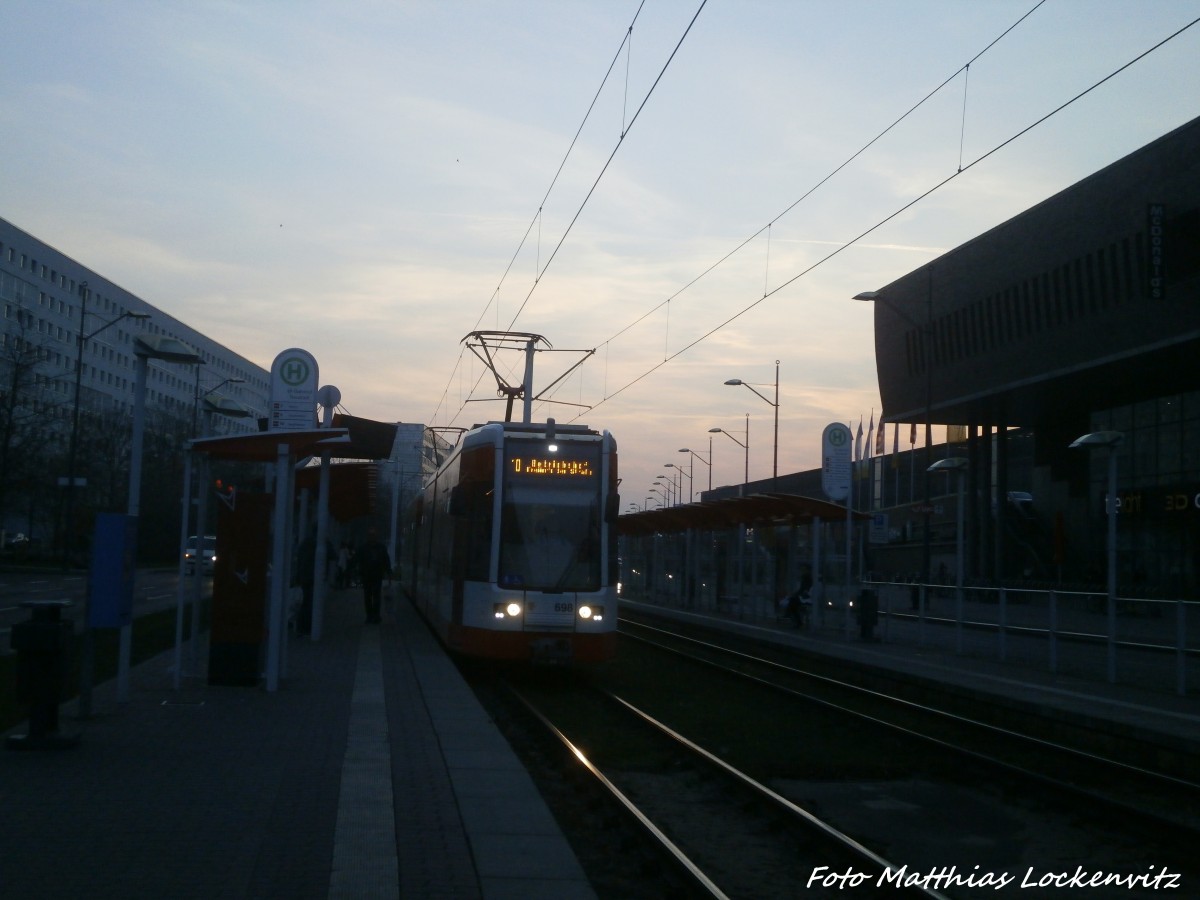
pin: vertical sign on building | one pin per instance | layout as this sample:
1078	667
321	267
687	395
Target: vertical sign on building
1156	267
293	391
835	461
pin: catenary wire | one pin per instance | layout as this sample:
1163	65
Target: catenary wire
541	206
911	203
863	149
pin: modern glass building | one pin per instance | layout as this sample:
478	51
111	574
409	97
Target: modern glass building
1080	315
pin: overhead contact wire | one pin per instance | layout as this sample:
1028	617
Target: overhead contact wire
537	216
911	203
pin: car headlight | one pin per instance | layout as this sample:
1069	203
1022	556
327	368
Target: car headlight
510	609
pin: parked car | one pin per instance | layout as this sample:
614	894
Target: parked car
208	551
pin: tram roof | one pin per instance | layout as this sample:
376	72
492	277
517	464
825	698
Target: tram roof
728	512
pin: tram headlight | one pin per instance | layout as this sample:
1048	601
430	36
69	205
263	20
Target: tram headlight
594	613
510	608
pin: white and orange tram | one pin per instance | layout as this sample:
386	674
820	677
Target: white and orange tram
511	549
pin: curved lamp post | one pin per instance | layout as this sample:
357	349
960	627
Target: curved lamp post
745	446
218	404
696	456
775	404
957	466
926	357
681	475
145	348
1109	440
72	452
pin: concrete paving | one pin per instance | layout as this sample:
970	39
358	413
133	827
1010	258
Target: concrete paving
372	772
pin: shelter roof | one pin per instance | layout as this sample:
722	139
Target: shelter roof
262	446
350	437
728	512
369	439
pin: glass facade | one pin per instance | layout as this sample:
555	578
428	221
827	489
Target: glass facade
1158	492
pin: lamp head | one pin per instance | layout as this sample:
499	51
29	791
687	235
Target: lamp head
734	381
1098	439
715	430
950	464
867	295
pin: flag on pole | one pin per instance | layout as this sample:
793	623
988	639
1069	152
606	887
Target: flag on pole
896	445
880	440
956	434
912	435
858	442
870	433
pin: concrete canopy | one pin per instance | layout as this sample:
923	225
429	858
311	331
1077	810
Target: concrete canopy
263	446
729	512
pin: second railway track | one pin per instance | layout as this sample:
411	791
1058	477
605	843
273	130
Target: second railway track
932	815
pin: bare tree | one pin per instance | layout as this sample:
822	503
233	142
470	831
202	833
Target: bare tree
30	427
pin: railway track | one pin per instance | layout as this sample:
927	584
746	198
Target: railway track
724	833
926	800
1153	798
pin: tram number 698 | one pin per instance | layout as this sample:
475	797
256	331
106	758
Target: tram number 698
564	607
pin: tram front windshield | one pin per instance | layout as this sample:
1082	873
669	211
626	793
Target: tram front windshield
550	536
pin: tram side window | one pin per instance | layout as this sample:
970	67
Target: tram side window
473	506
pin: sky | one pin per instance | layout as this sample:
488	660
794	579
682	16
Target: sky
670	192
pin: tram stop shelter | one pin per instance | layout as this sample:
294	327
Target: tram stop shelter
245	573
727	514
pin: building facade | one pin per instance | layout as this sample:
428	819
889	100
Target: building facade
67	377
1080	315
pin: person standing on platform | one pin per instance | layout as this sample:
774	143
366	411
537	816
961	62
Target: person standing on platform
306	563
343	564
374	565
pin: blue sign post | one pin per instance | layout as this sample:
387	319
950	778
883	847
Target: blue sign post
110	587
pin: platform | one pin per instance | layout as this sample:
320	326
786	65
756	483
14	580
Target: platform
372	772
1021	682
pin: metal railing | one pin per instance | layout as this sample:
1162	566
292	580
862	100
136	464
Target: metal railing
1143	642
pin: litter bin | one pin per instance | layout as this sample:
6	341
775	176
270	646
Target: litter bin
868	614
43	646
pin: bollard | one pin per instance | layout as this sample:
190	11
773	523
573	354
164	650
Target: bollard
43	645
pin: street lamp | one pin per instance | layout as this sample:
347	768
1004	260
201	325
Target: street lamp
956	465
775	457
926	358
696	456
669	485
218	404
676	481
1109	440
745	446
145	348
72	452
682	475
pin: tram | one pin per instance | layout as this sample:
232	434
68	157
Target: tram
511	549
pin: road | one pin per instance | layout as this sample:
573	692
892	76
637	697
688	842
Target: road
154	590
